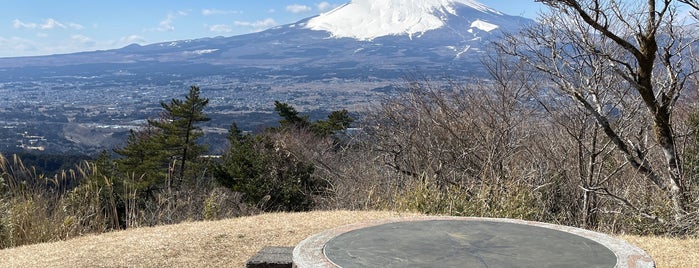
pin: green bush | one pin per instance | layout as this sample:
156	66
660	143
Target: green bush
269	175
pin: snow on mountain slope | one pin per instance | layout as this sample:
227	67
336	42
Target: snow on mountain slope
484	26
386	36
369	19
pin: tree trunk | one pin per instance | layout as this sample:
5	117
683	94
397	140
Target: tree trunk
675	185
184	151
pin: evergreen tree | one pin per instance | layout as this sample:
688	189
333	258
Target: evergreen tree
290	117
268	174
167	145
142	159
243	161
337	120
179	130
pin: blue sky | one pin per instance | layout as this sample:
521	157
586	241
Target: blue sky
41	27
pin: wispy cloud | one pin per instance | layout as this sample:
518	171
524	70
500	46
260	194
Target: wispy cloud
212	12
220	28
18	24
127	40
13	45
52	24
75	26
296	8
16	46
166	25
48	24
257	25
82	39
325	6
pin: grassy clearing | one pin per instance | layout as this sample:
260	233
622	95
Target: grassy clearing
229	243
668	252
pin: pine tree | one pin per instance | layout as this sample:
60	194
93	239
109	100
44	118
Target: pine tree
337	120
142	160
167	145
290	117
179	130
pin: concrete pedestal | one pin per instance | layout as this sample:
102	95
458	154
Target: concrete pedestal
465	242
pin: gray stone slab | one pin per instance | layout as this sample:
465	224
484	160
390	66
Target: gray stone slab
465	242
271	257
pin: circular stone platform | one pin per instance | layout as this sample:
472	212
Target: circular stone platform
465	242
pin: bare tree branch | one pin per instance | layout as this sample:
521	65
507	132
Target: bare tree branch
692	3
585	45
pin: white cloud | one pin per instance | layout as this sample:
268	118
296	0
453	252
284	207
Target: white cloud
15	46
127	40
220	28
257	25
212	12
254	25
324	6
52	24
166	25
18	24
48	24
83	40
75	26
296	8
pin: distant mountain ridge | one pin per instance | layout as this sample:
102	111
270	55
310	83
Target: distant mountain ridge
363	35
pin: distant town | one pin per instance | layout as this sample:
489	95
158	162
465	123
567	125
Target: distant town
84	115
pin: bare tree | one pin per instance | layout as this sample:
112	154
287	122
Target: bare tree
618	54
692	3
468	142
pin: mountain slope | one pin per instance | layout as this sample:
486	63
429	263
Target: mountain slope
63	97
369	19
354	40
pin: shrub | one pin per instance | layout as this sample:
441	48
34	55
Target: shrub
269	175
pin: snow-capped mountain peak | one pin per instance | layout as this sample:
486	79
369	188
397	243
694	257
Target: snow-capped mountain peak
369	19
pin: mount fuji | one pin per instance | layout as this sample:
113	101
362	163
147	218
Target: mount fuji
377	38
356	54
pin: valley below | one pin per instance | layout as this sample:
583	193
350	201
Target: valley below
85	115
83	103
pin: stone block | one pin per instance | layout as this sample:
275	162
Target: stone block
272	257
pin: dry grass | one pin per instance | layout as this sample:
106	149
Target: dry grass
668	252
226	243
229	243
